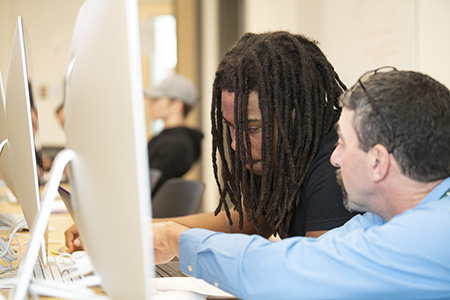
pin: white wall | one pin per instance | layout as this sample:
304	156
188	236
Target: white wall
209	61
49	24
433	39
359	35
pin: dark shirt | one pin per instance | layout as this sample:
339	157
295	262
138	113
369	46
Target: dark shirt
173	152
321	206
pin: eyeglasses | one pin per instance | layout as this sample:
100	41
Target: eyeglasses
372	101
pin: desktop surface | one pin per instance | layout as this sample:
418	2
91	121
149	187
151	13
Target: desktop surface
58	223
60	220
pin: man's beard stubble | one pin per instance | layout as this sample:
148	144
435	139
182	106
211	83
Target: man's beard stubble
344	192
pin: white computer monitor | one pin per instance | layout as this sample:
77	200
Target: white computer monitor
5	165
105	128
20	129
106	146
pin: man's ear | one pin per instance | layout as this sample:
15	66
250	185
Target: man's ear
380	162
178	103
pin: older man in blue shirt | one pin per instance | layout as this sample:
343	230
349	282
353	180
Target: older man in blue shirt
393	156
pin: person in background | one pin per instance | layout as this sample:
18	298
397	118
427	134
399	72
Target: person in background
43	162
393	156
60	115
177	147
274	108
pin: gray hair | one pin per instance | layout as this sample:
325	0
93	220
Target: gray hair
417	107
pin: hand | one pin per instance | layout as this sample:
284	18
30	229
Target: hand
73	240
165	240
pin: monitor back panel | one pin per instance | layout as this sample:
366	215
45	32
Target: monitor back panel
105	127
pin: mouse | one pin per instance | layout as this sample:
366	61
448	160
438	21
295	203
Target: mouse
178	295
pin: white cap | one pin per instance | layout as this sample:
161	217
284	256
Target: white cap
176	87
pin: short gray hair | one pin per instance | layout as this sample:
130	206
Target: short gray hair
418	109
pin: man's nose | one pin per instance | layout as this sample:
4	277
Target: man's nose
334	158
233	140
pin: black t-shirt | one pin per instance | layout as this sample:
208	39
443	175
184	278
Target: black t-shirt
321	206
173	152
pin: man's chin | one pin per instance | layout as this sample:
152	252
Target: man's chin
257	172
346	201
257	168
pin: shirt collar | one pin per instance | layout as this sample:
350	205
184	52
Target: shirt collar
438	192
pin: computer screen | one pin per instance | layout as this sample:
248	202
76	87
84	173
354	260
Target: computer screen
5	165
105	128
21	126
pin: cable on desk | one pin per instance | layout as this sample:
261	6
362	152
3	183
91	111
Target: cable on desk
8	254
77	290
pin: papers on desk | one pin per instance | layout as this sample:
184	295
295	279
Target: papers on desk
190	284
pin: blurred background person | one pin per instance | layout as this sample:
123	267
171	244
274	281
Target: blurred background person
177	147
60	114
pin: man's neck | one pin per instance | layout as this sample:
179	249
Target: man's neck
174	121
406	195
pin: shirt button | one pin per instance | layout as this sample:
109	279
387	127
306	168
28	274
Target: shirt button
189	268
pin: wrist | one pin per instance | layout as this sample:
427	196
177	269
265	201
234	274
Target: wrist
174	231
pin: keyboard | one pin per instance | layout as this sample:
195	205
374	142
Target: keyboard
67	270
170	269
59	268
65	276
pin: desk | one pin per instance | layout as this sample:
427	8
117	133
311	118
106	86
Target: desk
58	223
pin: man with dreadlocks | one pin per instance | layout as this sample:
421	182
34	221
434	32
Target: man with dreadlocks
275	161
274	106
273	112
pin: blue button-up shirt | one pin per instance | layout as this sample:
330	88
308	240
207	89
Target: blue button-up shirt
367	258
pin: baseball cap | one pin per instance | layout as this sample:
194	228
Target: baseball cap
174	86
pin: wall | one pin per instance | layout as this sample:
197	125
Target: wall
49	24
359	35
209	61
433	39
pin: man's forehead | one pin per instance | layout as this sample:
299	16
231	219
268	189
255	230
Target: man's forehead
253	96
345	124
228	104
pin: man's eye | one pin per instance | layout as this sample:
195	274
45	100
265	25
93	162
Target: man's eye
254	129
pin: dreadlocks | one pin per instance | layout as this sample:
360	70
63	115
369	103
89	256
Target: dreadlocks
298	91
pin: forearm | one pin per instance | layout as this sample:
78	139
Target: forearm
202	220
174	232
219	223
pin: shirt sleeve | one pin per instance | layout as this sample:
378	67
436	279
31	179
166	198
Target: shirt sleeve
361	260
